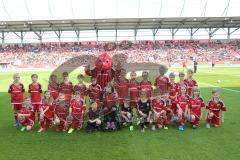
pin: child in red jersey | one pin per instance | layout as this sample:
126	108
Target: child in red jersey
35	90
76	111
133	89
26	116
61	112
53	86
214	107
95	91
46	111
66	86
146	85
110	108
122	87
173	90
81	88
16	90
181	82
190	82
173	94
162	82
160	111
182	106
195	106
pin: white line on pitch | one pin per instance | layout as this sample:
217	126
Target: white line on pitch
219	87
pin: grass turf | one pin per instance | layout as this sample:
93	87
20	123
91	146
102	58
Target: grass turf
202	143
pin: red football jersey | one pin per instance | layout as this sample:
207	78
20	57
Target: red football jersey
66	88
190	84
109	100
35	91
158	105
77	107
179	85
134	90
147	86
80	88
51	107
196	105
62	108
16	91
94	91
54	87
216	106
122	87
24	110
174	90
183	100
163	83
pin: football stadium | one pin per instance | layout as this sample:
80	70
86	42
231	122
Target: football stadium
119	79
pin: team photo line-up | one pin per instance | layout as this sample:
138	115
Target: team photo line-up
114	101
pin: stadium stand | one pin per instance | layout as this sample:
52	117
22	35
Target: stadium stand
167	52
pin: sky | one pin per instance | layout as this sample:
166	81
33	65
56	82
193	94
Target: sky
14	10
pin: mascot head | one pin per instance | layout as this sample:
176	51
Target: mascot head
104	61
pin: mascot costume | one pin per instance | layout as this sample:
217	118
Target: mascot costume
103	71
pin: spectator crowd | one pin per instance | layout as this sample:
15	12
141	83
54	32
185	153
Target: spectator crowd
164	52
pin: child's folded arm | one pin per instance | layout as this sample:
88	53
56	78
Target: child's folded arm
45	109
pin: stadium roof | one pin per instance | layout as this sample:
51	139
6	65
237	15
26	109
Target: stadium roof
78	20
20	10
122	23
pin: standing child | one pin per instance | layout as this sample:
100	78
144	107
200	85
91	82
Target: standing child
195	106
81	88
173	94
162	82
16	90
133	89
95	91
35	90
146	85
144	110
46	111
110	108
26	116
76	111
181	82
66	86
173	90
122	87
214	107
53	86
61	112
182	107
190	82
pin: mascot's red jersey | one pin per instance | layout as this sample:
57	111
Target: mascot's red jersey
103	71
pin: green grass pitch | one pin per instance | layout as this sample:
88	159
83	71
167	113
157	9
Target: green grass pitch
200	144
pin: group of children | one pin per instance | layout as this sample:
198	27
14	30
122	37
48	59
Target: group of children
116	105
